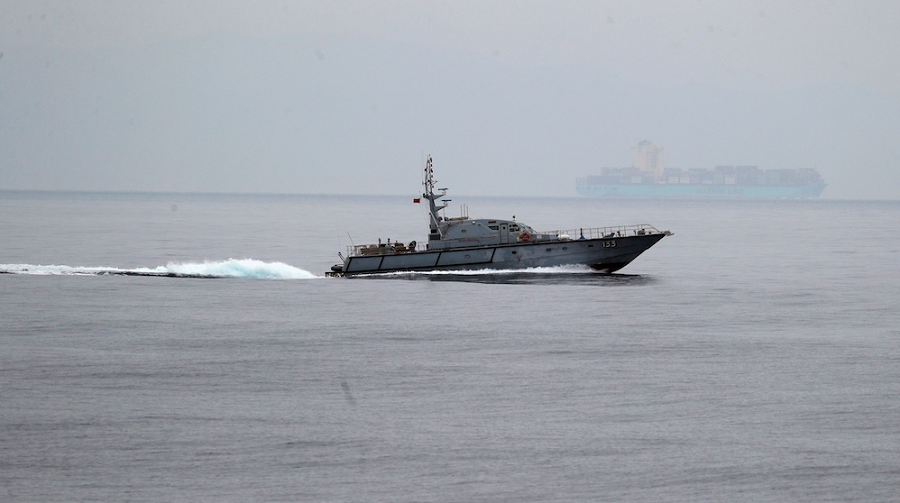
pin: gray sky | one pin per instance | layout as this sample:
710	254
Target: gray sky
511	98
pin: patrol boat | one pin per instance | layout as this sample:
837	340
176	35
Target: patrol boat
461	243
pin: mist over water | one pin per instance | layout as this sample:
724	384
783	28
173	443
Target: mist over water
751	356
291	98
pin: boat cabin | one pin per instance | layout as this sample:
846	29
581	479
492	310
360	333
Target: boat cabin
463	232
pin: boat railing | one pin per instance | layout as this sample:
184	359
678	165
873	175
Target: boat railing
389	248
619	231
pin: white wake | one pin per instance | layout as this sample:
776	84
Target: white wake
231	268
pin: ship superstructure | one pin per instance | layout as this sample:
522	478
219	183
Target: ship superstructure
648	177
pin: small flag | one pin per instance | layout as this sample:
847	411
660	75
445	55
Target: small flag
417	200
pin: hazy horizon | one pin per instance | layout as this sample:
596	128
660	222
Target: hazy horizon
510	98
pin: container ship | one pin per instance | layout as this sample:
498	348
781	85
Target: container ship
648	177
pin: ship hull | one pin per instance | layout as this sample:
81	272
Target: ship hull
605	255
701	191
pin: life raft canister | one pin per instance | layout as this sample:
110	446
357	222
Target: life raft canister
524	237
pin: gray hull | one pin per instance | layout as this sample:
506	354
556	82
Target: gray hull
606	254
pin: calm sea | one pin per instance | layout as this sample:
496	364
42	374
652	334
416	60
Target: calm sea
752	356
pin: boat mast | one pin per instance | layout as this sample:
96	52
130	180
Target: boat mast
434	233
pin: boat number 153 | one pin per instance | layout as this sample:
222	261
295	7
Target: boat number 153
609	244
